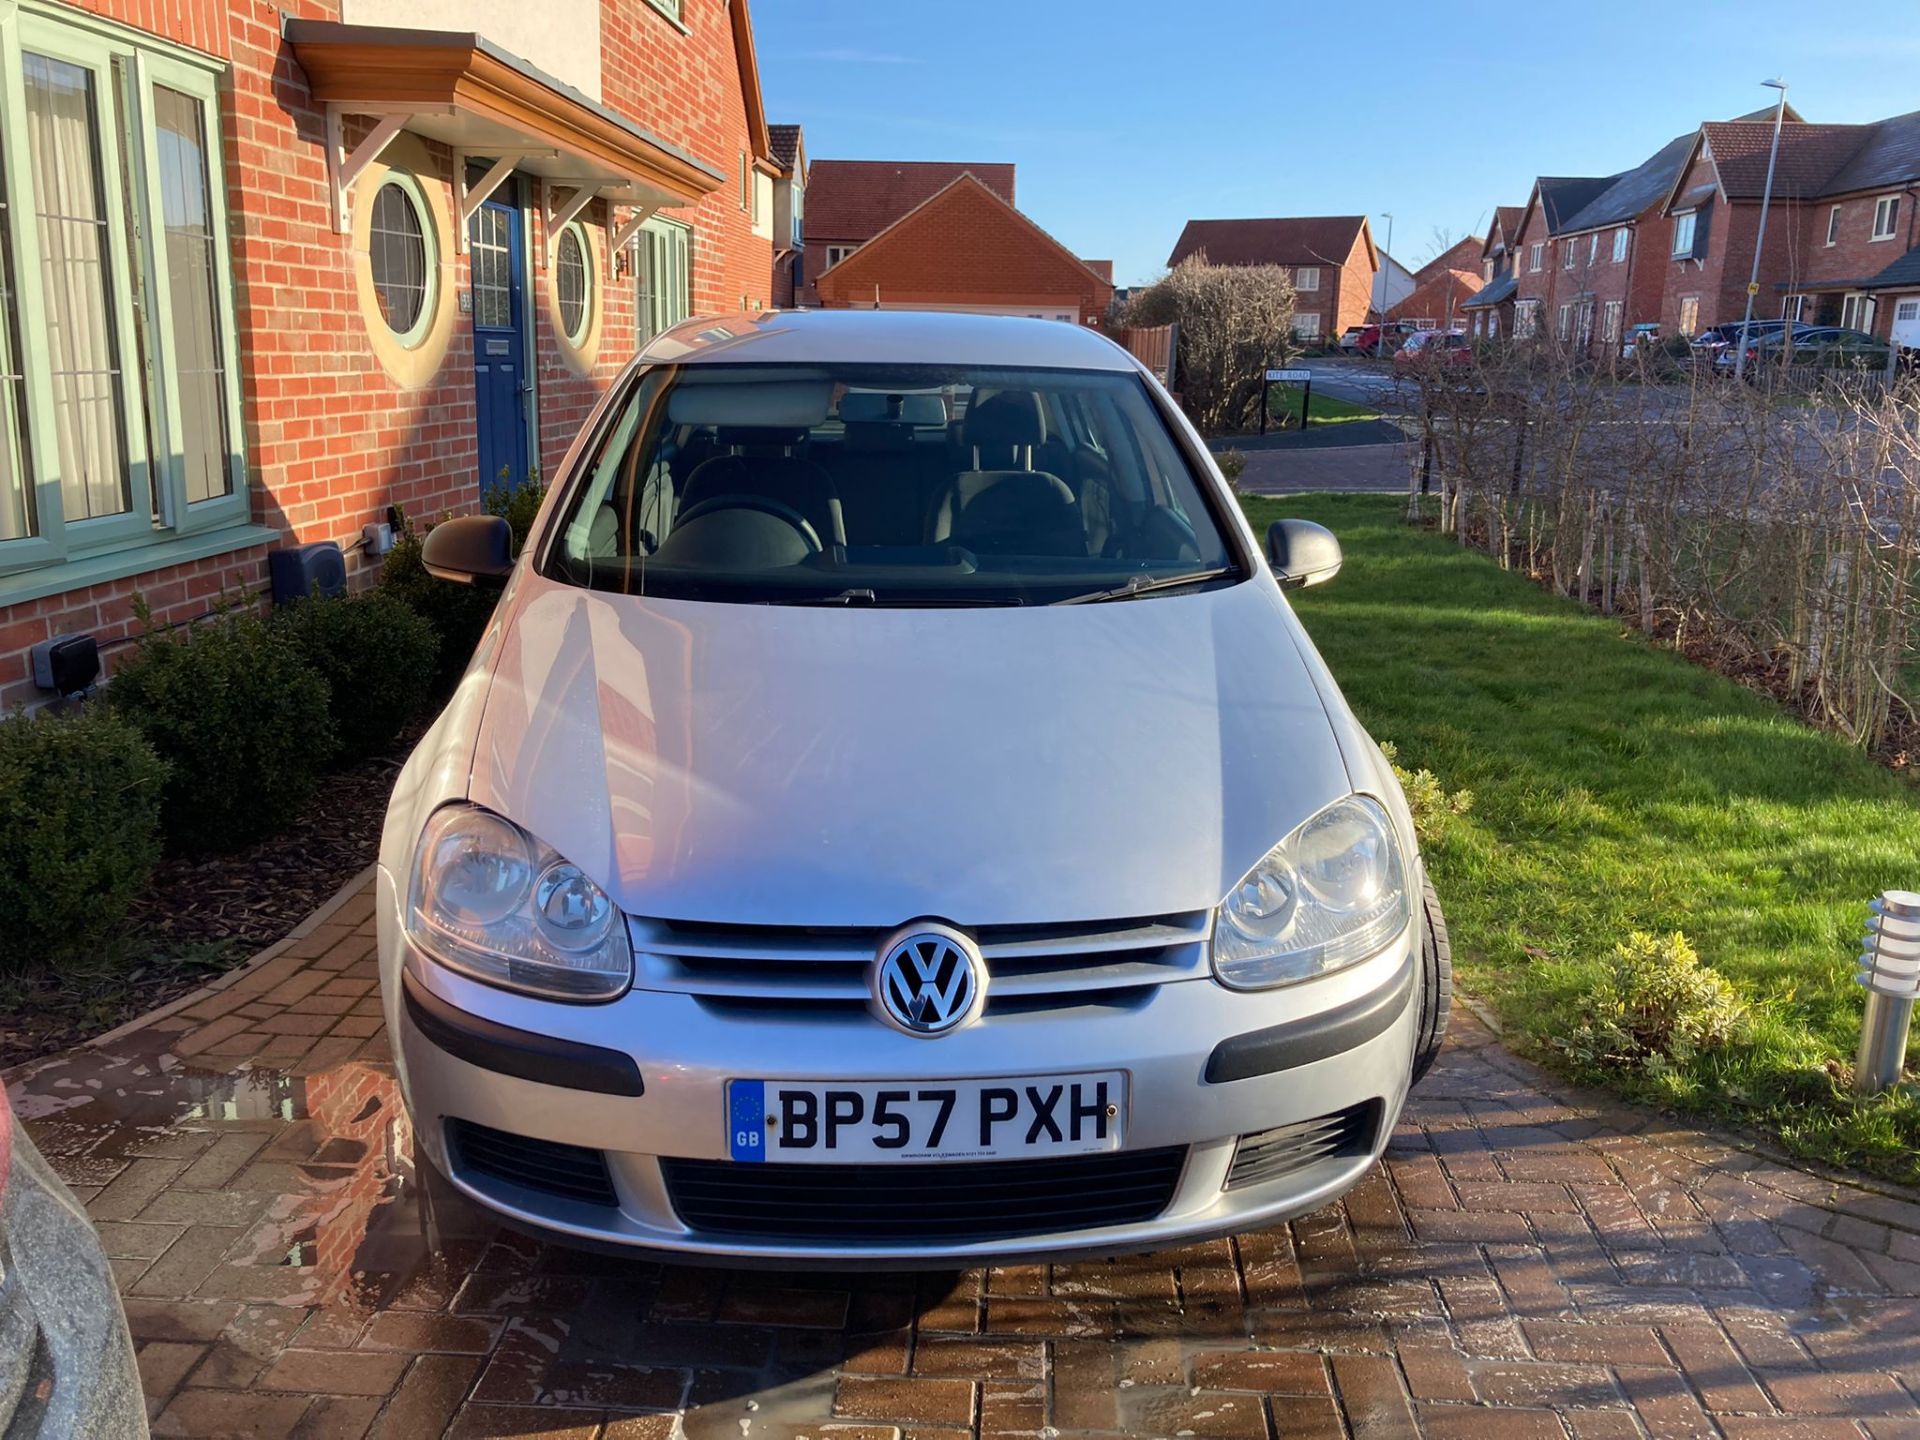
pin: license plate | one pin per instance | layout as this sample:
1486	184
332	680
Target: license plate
828	1122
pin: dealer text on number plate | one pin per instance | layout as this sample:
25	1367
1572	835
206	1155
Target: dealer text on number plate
828	1122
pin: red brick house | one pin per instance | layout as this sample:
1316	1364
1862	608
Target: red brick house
789	154
396	266
1331	257
1439	301
966	248
1489	313
851	201
1463	254
1550	208
1842	230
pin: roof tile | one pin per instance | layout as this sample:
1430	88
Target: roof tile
857	199
1297	240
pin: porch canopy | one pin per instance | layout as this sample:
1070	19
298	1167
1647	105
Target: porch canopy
469	94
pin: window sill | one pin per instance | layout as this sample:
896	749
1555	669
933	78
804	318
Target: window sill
68	575
1877	239
667	15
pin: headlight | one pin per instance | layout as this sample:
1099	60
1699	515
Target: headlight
1329	895
492	902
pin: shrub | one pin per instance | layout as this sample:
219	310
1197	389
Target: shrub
458	614
377	657
1654	1006
80	809
1432	804
1235	322
1232	463
517	505
241	719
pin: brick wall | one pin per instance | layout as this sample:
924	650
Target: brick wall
1353	288
1533	284
331	438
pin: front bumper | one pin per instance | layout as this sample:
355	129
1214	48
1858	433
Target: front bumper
1356	1031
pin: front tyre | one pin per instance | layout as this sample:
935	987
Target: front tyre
1436	982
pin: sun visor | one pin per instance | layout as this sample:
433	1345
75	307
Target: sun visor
760	404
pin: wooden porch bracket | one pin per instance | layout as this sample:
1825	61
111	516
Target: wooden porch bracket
469	198
343	169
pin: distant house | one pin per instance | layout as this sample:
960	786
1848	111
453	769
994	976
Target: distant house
1463	254
966	248
1332	260
1489	313
851	201
1544	219
787	153
1439	302
1392	283
1843	236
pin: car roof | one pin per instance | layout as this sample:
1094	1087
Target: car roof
884	337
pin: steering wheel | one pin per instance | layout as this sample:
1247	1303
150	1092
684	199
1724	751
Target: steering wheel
766	505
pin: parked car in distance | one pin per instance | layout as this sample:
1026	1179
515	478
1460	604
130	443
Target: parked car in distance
1435	347
1717	340
897	819
1641	338
1370	339
66	1362
1830	347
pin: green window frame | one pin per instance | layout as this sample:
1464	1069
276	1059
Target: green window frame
663	276
159	232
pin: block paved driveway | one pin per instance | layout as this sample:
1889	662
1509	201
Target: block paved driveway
1528	1265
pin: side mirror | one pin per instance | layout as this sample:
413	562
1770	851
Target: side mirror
1302	553
469	549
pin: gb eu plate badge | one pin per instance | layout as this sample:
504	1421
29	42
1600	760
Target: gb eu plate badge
747	1119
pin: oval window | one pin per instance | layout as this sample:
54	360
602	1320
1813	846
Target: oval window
399	255
573	283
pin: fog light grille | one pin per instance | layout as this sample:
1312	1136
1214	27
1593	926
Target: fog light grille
570	1172
1270	1154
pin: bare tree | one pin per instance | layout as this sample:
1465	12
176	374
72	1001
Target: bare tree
1235	322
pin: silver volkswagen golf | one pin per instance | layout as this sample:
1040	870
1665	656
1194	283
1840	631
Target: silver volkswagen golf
894	817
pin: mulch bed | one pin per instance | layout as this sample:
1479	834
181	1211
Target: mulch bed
203	915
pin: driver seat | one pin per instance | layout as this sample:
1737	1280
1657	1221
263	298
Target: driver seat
787	480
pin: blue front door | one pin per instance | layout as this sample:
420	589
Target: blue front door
500	378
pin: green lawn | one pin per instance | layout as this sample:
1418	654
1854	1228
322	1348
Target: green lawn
1618	787
1283	404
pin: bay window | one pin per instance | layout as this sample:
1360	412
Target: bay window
124	431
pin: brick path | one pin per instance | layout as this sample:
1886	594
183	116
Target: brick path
1528	1265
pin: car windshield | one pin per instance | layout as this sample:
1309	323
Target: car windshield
887	485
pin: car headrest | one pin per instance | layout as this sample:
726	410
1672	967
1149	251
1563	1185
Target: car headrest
1012	417
915	409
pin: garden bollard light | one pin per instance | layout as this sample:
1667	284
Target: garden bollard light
1890	970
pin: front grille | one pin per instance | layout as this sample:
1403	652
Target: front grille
809	971
571	1172
1269	1154
975	1200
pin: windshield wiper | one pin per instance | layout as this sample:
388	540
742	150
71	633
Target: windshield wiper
845	597
1146	585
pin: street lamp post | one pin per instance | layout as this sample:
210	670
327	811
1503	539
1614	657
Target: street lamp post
1760	238
1386	280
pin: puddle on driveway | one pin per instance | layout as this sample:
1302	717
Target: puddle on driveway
303	1174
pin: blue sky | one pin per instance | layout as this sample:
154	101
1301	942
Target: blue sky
1124	123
